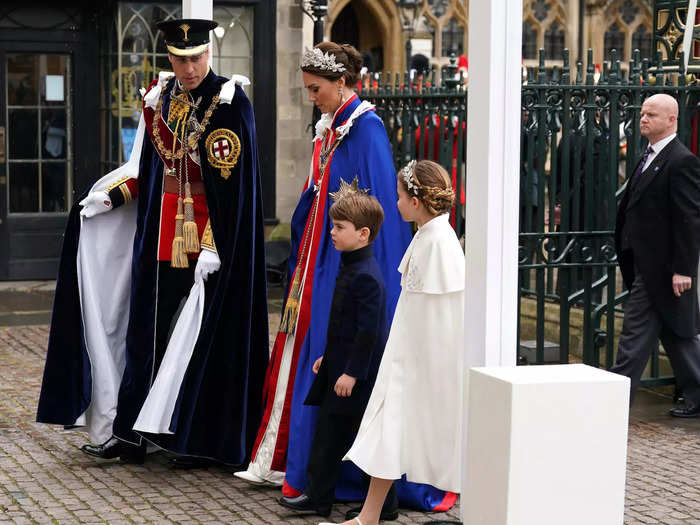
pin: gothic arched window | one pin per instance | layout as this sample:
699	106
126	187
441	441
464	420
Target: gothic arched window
614	39
529	40
452	38
641	39
554	42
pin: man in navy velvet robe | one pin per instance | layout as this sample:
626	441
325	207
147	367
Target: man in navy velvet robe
197	217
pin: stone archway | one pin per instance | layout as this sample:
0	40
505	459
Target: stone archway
346	27
378	27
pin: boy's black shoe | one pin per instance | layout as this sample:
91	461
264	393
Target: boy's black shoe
386	515
305	503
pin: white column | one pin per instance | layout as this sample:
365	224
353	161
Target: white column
198	9
493	183
493	159
203	9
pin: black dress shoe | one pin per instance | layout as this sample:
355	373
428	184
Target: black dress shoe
689	410
188	462
305	503
133	454
110	449
386	515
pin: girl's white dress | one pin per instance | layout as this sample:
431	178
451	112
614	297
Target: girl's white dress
413	421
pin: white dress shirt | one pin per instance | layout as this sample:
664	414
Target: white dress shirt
657	147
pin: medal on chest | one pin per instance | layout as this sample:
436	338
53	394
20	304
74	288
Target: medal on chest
223	148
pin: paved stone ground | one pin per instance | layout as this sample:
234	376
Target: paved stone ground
44	478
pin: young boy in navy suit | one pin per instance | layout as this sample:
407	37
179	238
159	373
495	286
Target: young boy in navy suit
357	333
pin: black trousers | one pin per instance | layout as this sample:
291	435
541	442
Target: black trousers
174	285
641	328
333	437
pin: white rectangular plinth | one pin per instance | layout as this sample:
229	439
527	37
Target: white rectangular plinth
546	445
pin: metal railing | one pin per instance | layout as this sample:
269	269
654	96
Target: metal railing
580	142
425	119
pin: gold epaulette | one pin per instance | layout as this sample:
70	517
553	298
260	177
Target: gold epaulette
208	238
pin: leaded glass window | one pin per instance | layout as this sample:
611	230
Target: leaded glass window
615	39
452	38
39	156
529	40
554	42
233	43
641	39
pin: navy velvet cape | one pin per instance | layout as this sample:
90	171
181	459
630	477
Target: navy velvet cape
218	409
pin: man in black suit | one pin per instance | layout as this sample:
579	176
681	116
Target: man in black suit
657	238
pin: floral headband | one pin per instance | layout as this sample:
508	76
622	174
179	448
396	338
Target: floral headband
408	174
316	58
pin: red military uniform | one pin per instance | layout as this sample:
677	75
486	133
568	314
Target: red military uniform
126	189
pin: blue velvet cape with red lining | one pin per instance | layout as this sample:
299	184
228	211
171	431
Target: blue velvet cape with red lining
218	409
366	153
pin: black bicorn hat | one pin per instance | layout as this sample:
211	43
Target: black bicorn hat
186	36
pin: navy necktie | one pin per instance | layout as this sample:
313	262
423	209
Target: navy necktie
640	167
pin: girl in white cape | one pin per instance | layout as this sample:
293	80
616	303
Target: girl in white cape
413	421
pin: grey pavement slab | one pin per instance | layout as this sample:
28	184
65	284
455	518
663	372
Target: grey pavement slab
26	302
44	478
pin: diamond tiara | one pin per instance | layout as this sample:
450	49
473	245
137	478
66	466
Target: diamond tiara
318	59
407	173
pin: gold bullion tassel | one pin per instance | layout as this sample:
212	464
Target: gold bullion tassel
190	227
291	309
178	258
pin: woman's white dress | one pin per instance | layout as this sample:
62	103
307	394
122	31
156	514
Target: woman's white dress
413	421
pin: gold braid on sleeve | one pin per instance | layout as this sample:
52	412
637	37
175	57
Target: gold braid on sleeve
208	238
116	183
121	185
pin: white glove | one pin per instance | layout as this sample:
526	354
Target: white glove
207	263
95	202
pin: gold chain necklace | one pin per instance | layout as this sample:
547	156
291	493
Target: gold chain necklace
191	141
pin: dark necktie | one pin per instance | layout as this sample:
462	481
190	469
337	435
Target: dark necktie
640	167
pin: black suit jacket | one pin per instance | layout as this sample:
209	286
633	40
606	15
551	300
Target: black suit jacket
357	333
659	218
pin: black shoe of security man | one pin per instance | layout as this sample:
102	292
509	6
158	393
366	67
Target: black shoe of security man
304	503
689	410
114	448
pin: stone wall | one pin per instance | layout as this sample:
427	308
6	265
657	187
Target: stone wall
293	109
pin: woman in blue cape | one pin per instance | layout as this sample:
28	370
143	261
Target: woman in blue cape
350	142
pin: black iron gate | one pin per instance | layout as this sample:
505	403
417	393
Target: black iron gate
580	142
